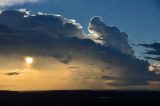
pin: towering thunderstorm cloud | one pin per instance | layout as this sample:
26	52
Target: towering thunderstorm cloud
51	35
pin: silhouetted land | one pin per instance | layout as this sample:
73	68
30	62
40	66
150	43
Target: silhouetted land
79	98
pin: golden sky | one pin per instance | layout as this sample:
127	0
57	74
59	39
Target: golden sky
50	74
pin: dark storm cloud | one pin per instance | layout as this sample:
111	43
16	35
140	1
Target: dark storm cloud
53	24
119	54
21	34
63	39
131	70
153	50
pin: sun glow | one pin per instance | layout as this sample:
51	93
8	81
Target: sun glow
155	67
29	60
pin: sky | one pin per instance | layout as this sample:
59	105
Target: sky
79	44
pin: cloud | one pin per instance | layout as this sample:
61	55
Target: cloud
153	50
153	53
153	58
54	36
63	59
12	73
73	68
8	3
109	35
111	78
33	32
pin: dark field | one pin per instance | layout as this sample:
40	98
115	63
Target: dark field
79	98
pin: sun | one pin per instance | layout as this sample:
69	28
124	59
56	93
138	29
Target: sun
29	60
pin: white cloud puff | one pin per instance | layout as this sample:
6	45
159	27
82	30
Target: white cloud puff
8	3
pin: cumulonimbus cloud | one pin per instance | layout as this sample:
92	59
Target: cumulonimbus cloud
51	35
109	35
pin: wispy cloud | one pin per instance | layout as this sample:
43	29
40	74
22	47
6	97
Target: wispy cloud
8	3
153	51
